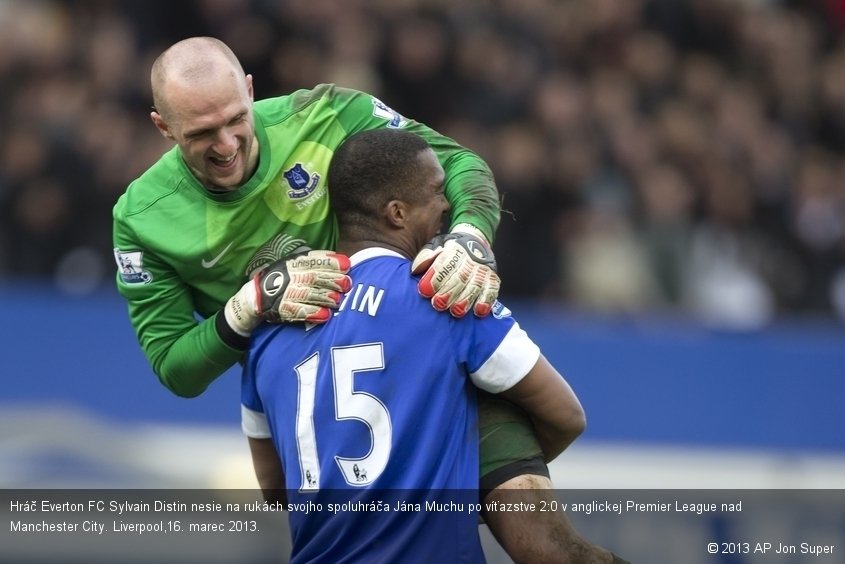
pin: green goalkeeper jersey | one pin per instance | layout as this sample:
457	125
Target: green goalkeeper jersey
182	250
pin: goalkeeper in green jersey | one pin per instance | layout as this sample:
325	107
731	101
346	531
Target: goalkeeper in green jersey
210	229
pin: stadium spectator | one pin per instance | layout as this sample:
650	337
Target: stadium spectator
749	93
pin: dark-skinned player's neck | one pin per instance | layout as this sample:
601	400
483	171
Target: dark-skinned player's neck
351	245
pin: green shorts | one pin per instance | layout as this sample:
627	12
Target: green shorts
508	447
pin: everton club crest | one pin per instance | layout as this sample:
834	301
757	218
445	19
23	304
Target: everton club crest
301	181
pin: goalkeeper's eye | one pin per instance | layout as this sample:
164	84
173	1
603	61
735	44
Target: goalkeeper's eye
237	119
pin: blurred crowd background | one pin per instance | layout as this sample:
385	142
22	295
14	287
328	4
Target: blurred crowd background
677	157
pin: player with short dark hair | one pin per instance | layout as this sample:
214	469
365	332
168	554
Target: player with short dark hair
381	397
210	228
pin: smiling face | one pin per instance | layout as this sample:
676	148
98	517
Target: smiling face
427	210
387	189
209	115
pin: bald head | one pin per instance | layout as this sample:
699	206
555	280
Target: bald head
191	64
203	102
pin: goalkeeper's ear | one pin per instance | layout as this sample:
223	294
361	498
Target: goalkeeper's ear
160	123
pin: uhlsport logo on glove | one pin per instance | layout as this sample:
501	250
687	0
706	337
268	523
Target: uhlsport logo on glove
449	267
459	274
273	282
310	262
477	249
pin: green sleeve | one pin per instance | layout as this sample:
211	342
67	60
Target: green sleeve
196	359
470	186
185	354
188	355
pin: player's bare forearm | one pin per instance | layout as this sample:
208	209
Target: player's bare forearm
554	408
268	470
537	536
552	442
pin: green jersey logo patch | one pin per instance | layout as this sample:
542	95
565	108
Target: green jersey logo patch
394	118
130	266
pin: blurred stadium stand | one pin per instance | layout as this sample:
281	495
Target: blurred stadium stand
646	384
669	155
670	405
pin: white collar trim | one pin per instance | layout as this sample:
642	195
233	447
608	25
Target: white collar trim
372	252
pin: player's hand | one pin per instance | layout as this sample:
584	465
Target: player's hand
460	273
304	286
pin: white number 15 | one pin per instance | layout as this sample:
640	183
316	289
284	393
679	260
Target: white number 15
348	404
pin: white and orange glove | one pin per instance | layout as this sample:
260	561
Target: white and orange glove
459	272
303	286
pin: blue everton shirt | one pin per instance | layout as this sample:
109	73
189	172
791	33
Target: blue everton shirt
374	417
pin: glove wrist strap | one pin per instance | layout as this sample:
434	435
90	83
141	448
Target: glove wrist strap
471	230
228	335
240	311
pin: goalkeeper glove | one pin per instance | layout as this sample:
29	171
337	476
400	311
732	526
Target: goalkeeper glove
460	272
299	287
